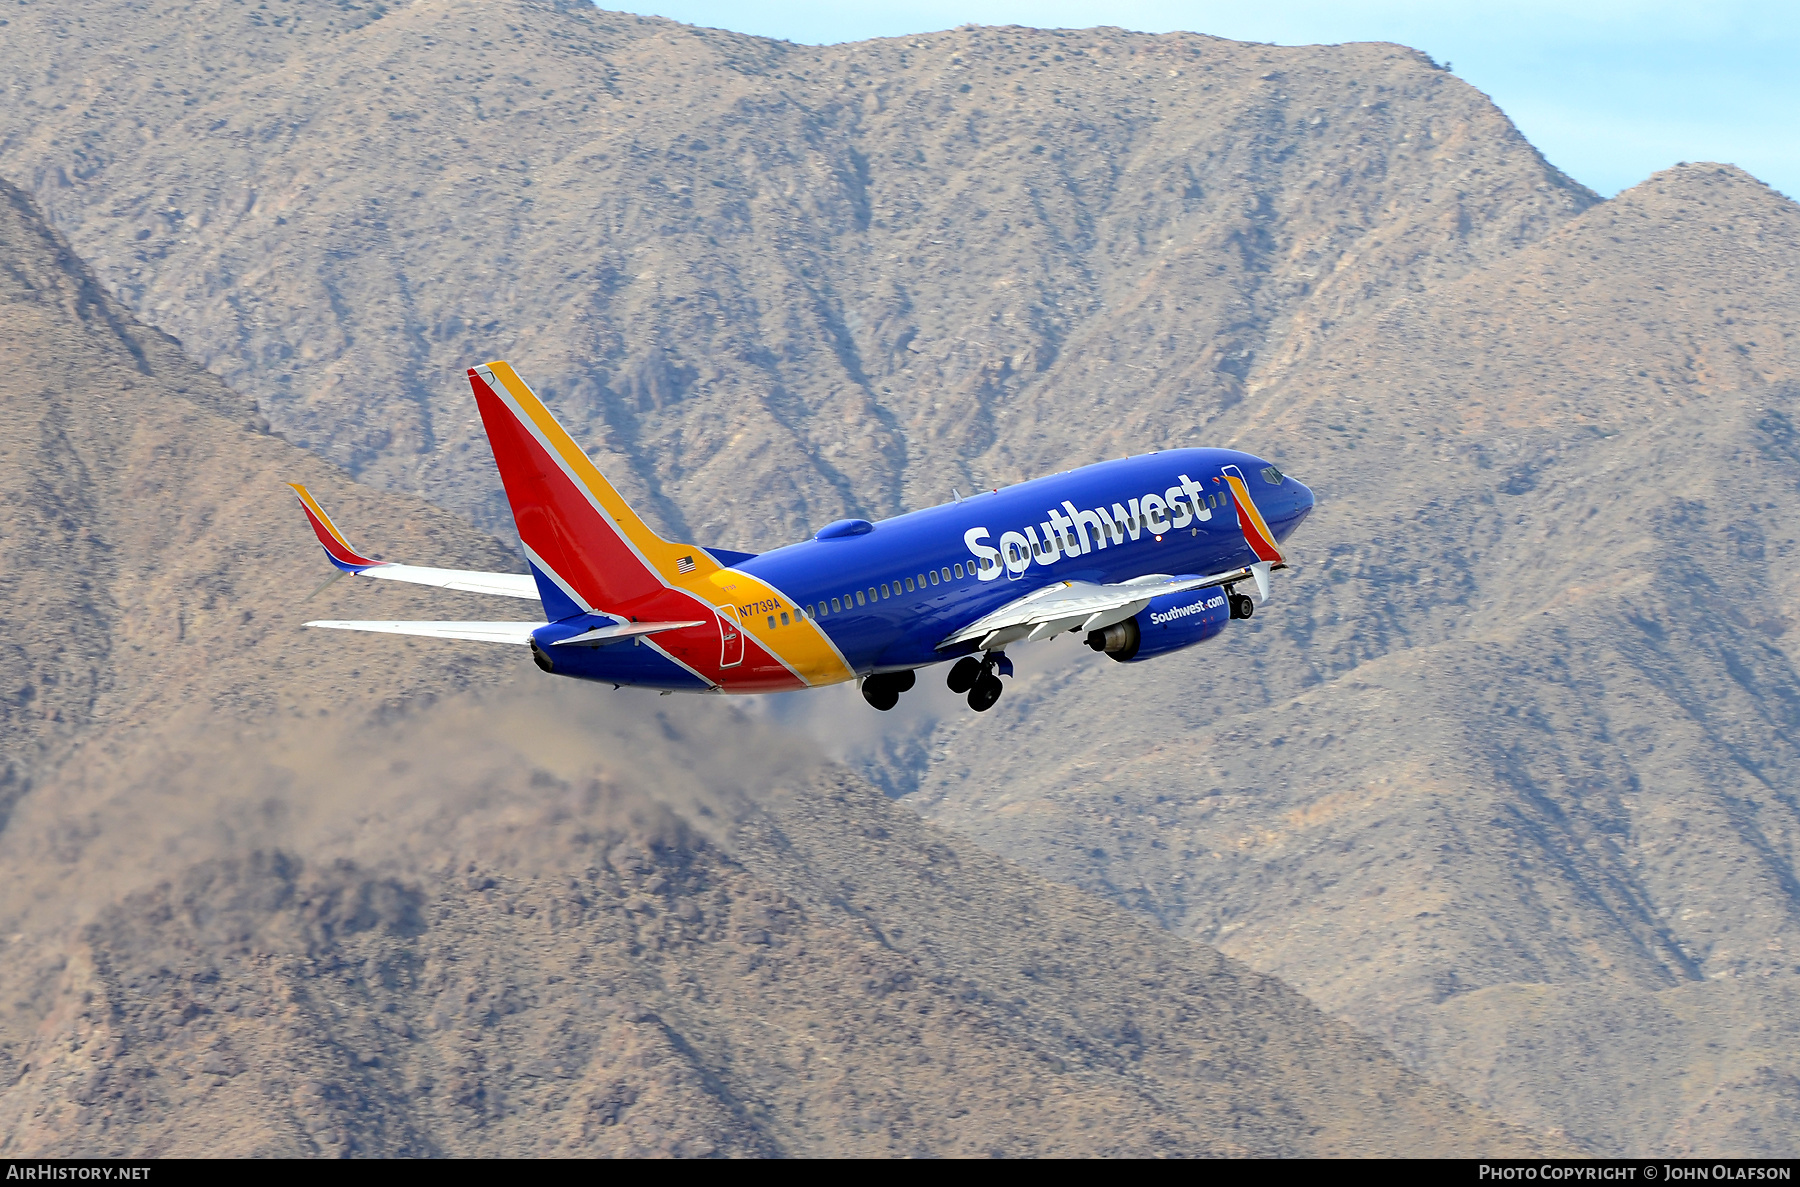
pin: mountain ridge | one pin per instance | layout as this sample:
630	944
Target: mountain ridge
428	214
272	895
1517	729
1510	755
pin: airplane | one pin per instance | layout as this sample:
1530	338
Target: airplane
1139	556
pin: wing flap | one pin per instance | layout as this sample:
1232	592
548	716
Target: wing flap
480	632
1074	603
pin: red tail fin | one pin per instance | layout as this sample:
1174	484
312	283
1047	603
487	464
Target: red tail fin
580	535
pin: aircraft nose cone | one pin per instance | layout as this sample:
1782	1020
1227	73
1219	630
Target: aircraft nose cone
1300	503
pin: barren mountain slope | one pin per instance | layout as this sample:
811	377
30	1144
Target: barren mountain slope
769	283
511	951
1507	771
773	282
270	892
137	551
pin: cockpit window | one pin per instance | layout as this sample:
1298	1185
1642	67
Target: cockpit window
1271	475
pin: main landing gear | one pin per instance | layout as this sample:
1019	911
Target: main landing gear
1242	605
978	678
883	689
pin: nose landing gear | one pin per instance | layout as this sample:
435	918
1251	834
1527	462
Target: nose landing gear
978	678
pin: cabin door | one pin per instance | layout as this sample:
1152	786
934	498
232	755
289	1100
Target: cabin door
731	639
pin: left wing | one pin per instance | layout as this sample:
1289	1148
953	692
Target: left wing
348	560
1071	604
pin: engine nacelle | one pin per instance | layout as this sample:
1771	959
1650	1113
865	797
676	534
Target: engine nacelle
1167	624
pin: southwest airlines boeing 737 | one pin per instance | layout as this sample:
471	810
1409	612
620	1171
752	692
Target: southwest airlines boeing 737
1140	556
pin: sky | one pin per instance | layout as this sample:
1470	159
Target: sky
1608	90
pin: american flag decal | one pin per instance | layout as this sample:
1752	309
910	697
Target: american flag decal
684	564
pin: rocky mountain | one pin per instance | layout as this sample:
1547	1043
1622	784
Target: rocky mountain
1506	774
138	546
268	894
1503	776
772	284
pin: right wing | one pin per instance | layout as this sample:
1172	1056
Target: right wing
348	560
1067	605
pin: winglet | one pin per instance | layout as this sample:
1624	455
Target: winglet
337	549
1251	523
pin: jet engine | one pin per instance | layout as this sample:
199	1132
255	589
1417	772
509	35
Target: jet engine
1167	624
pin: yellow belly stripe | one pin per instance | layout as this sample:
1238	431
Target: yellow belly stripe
802	645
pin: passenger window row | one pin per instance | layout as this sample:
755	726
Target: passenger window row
876	593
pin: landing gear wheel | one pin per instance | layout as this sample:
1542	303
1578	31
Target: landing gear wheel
882	695
964	675
986	691
883	689
1242	606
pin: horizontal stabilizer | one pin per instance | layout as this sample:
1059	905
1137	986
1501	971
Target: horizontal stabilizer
617	631
480	632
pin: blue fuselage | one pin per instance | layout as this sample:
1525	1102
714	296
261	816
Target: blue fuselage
888	596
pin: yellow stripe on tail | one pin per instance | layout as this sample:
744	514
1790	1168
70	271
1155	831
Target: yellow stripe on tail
677	564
